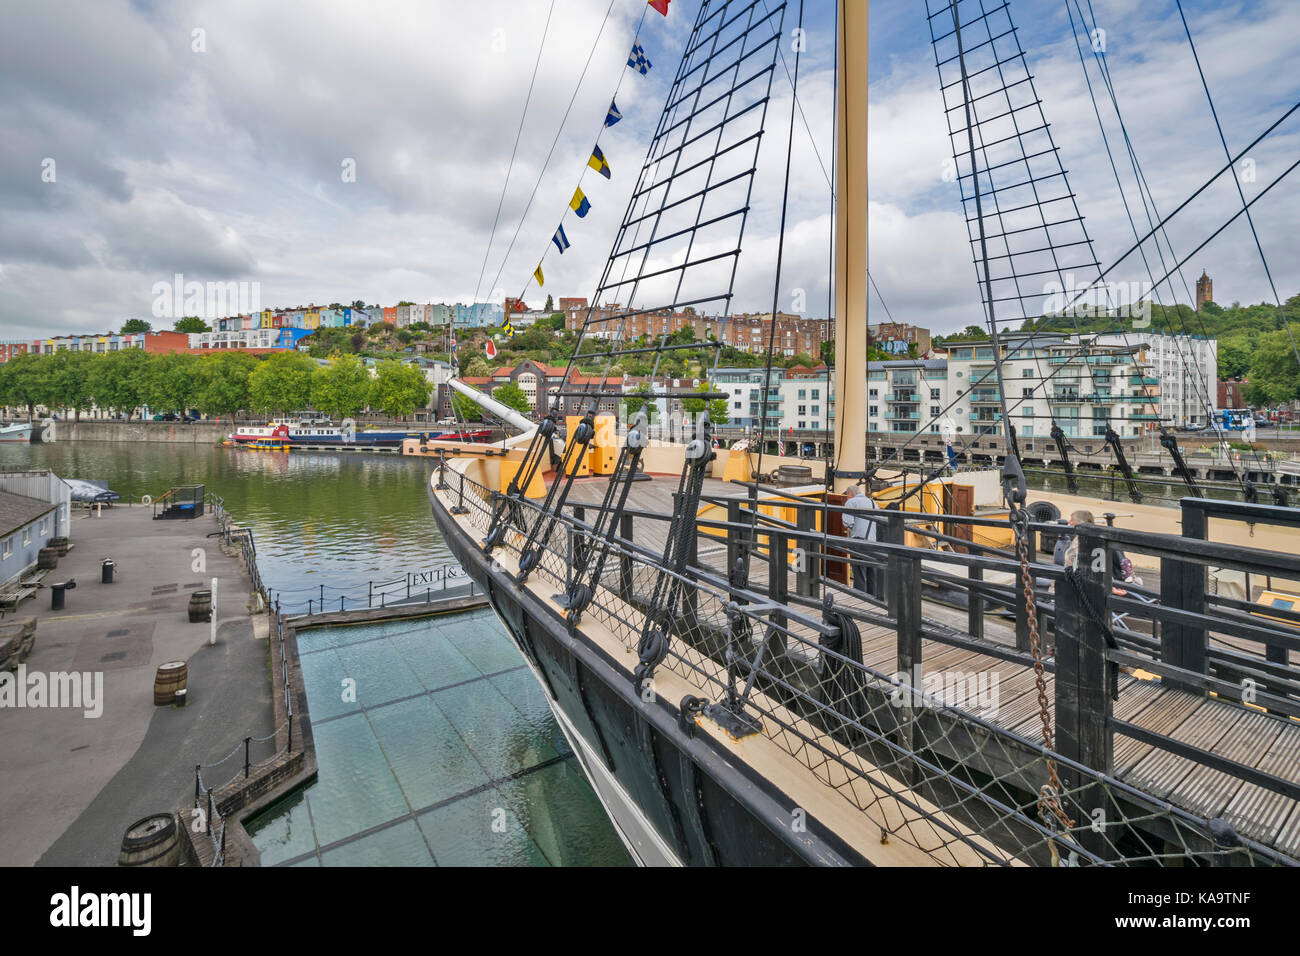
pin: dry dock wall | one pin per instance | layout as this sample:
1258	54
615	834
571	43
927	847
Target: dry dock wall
198	433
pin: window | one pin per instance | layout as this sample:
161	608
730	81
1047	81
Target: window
873	410
735	405
803	410
872	394
1028	432
1027	412
934	410
27	535
7	548
803	424
45	527
1026	373
816	409
801	393
934	395
1026	393
816	393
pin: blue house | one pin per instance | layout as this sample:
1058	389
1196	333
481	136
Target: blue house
26	526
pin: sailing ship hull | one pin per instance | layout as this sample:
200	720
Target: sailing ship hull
675	798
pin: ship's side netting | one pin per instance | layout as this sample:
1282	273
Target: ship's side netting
928	768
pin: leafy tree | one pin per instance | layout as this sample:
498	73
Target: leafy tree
22	381
118	381
718	413
634	405
512	395
224	383
132	326
191	323
68	378
358	304
1235	354
1274	375
172	382
467	357
282	383
342	387
466	409
804	359
477	368
550	305
399	388
357	341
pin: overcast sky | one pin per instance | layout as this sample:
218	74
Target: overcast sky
222	154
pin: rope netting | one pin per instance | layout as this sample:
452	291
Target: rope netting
948	760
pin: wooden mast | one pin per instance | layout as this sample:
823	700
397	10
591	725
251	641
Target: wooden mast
851	243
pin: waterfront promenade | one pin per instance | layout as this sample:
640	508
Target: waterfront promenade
74	783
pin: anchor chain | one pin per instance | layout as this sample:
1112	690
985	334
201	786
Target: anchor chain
1014	489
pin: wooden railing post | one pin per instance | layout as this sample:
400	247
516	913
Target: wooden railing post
1182	586
690	593
733	539
1022	613
1082	691
975	602
625	559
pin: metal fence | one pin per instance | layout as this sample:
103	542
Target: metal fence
412	588
782	640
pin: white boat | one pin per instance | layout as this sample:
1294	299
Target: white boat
18	431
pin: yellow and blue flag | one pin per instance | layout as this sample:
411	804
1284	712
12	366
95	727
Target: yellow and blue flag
579	205
597	162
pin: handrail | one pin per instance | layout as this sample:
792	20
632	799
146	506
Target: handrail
717	605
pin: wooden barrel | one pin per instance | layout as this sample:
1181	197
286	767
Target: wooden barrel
171	677
48	558
60	545
200	605
153	841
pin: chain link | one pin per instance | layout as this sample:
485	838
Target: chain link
1049	796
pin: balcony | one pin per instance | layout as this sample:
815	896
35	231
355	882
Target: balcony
1144	380
984	396
894	415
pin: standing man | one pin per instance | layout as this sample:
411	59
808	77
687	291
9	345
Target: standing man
861	528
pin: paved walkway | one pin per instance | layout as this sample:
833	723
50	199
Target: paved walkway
71	784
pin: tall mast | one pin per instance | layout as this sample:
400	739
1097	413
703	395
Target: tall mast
851	243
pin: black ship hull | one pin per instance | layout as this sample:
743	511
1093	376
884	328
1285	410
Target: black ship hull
675	798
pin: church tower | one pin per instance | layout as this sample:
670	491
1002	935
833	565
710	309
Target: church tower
1204	290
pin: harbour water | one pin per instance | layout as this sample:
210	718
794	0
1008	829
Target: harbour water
448	754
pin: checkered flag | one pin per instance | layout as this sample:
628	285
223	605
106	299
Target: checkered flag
637	59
